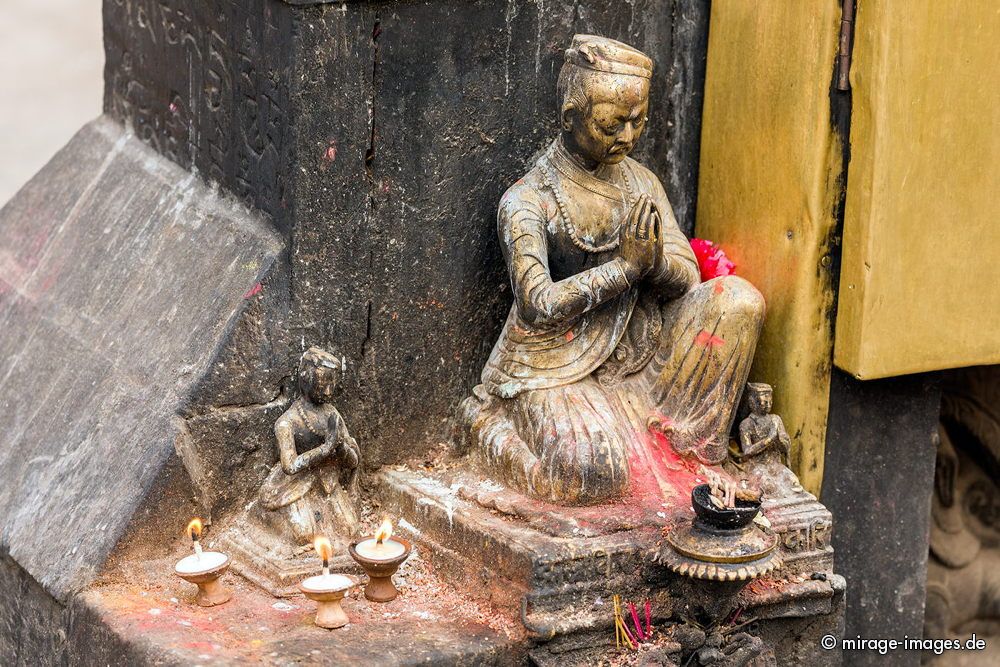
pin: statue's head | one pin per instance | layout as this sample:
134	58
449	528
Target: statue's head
603	94
319	373
759	397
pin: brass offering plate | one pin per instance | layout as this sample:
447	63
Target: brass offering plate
716	555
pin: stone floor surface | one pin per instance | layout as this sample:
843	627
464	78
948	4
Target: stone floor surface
429	623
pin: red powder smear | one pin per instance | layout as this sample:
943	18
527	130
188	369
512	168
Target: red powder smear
719	288
254	291
709	340
678	473
569	335
712	260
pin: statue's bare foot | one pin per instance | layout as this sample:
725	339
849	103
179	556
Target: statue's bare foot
302	549
686	438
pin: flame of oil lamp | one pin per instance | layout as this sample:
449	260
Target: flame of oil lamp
323	550
194	530
381	555
381	546
327	590
203	568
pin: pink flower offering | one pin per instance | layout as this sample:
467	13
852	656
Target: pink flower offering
712	260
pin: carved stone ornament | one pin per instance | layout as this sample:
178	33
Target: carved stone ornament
963	571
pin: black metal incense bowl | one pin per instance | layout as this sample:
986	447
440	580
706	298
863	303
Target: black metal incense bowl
722	518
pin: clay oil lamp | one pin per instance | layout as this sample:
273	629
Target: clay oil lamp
327	590
204	568
380	555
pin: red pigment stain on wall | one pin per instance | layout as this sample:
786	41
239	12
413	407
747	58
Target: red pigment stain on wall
254	291
330	154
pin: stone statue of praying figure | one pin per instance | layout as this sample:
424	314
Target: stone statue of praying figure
311	489
611	332
762	431
764	445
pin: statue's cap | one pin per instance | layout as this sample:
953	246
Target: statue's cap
601	54
317	356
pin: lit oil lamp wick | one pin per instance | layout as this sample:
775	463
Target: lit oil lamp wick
384	533
194	530
203	568
323	548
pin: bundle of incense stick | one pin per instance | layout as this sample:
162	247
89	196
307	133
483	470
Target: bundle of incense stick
622	634
723	491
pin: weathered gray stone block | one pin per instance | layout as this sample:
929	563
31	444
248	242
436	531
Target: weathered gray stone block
121	277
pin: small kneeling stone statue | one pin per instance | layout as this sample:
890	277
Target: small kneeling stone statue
764	445
611	331
311	492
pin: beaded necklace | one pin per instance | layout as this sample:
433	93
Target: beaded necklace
549	179
305	420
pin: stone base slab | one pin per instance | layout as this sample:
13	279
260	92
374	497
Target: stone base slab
561	583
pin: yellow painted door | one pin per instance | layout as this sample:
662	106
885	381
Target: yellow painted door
920	277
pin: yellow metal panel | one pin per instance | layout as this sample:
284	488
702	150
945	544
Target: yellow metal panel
768	185
920	282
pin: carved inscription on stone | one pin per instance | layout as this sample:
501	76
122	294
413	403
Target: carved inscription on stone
184	73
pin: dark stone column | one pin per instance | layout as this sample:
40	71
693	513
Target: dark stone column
878	484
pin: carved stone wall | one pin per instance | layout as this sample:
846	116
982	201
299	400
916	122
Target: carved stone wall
206	84
963	571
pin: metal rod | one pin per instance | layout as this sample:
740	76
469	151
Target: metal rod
844	54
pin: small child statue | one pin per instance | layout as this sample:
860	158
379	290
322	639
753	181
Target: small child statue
764	444
311	489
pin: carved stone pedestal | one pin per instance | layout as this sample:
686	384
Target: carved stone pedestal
558	567
269	564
